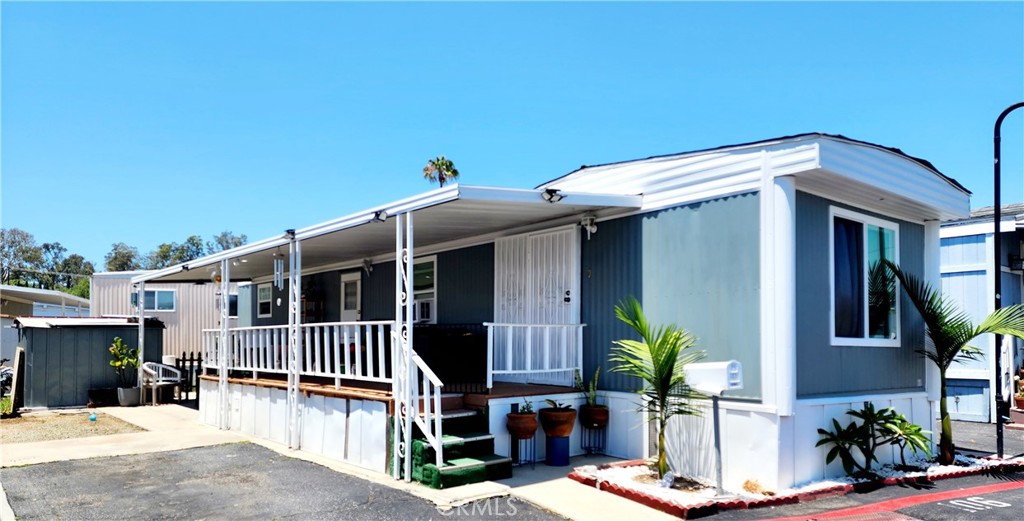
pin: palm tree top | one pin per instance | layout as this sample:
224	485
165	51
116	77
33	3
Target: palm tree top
441	170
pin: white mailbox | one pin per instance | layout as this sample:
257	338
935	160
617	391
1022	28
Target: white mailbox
714	378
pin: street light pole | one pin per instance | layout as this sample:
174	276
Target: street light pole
998	276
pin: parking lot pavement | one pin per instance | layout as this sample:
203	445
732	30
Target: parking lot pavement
235	481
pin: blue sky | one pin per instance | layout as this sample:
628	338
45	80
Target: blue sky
149	122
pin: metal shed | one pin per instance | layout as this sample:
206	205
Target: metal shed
65	357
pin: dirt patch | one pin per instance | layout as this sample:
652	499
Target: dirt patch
44	426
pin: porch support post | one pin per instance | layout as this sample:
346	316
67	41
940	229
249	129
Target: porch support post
401	368
224	353
294	337
411	408
142	332
397	360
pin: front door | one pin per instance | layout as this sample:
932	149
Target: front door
537	282
351	297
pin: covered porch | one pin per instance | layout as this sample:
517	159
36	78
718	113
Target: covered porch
401	354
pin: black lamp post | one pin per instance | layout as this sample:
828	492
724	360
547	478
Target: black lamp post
998	253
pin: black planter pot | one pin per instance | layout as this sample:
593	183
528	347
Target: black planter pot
103	397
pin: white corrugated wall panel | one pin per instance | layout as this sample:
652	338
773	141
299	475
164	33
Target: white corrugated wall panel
195	309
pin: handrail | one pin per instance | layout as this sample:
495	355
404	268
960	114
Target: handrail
340	350
510	324
426	370
430	421
521	355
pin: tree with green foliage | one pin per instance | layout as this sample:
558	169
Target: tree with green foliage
225	240
122	258
440	170
951	332
18	251
657	359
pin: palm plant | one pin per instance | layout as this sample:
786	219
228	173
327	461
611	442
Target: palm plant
658	359
441	170
950	331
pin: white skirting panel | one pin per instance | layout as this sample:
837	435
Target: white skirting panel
350	430
750	446
812	414
624	438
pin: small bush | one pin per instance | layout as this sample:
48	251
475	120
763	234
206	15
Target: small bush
876	428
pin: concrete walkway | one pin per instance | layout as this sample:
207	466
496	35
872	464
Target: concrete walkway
172	427
168	427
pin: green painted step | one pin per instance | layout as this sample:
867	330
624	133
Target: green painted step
462	471
467	445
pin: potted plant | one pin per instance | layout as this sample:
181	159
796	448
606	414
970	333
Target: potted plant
125	360
522	424
557	419
592	414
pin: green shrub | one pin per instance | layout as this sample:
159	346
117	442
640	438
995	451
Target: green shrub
875	429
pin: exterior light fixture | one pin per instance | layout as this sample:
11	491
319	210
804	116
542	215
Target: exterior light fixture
589	223
379	216
552	195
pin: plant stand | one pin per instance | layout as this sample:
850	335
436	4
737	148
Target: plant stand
593	441
557	451
524	451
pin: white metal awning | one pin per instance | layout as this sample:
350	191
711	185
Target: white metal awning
442	217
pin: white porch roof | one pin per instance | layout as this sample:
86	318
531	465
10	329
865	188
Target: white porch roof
444	216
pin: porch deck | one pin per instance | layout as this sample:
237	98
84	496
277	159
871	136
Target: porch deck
514	389
363	391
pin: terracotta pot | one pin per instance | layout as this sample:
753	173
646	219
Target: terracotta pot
521	426
594	416
1018	402
557	423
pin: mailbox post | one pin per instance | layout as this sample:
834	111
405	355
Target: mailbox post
713	379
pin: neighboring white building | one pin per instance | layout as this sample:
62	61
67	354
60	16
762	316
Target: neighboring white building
185	309
968	277
19	301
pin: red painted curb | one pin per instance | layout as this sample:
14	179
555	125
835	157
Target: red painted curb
743	504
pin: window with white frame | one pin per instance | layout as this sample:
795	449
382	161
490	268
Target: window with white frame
156	300
424	294
865	295
264	298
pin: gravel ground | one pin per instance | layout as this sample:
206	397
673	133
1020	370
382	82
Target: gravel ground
60	425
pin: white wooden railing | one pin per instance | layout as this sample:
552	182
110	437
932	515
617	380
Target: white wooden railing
349	350
533	349
427	396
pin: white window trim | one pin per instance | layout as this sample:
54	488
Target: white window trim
258	301
155	300
434	300
834	212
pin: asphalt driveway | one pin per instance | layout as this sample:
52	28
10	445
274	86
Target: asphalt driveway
234	481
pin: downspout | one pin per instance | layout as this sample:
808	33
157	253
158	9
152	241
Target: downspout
784	195
932	276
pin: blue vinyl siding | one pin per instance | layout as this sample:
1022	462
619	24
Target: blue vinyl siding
824	369
696	266
465	287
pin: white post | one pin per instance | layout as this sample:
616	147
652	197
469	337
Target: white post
784	196
224	353
294	338
411	408
142	332
397	356
933	276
